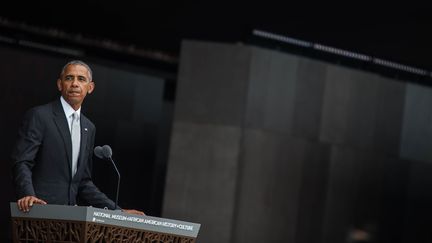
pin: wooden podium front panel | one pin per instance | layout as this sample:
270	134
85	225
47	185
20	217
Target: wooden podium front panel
65	224
61	231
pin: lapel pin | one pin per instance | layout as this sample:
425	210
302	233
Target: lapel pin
85	129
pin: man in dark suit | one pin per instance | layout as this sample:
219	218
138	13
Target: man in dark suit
54	150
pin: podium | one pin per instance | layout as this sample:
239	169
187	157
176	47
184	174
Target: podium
59	223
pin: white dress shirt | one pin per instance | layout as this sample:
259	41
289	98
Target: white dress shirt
68	110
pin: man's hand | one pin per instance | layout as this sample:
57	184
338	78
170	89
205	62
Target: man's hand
133	211
25	203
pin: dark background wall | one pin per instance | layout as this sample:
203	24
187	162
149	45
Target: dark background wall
131	111
272	147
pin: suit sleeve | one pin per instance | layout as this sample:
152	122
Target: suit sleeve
88	191
30	136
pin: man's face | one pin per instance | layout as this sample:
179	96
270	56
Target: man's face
74	84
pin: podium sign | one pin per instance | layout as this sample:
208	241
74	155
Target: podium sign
59	223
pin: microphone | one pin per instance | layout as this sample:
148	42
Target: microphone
98	152
105	152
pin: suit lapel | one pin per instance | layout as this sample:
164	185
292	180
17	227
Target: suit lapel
63	128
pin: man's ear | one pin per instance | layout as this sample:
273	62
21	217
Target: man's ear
59	87
91	87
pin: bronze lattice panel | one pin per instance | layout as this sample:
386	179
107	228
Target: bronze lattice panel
57	231
31	230
104	233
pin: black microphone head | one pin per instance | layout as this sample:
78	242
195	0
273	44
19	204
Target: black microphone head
107	151
98	151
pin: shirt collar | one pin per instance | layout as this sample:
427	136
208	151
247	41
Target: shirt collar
68	110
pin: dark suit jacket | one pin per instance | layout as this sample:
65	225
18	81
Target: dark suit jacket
42	159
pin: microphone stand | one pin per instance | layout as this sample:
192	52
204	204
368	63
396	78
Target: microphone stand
118	182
